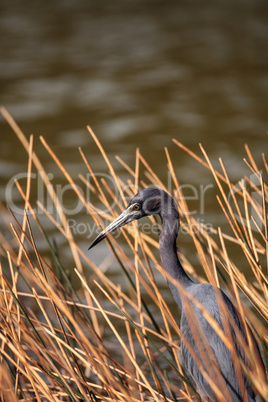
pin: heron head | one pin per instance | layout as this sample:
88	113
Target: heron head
146	202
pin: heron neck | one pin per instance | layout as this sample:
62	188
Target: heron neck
169	256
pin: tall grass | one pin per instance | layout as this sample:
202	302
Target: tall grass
102	341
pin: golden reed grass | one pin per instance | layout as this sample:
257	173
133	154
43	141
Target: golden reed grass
103	341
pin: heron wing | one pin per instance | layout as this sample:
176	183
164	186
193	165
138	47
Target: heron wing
210	349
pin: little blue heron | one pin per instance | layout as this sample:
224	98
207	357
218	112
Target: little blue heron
151	201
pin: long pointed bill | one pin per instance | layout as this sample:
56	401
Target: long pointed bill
123	219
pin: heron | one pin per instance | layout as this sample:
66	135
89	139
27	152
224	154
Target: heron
155	201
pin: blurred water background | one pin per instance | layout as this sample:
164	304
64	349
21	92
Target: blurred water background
139	73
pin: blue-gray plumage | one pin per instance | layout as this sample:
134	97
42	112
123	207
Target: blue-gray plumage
201	346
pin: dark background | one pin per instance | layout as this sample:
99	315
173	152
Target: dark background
139	73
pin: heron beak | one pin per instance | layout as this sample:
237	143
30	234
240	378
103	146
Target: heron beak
126	217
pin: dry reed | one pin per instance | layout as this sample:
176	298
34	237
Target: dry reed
103	343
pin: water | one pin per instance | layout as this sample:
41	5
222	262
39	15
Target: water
139	73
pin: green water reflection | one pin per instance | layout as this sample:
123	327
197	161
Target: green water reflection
140	73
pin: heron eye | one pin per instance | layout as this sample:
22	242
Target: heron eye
136	207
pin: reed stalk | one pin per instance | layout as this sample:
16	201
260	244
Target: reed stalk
103	341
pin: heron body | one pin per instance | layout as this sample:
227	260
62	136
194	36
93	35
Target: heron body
204	354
